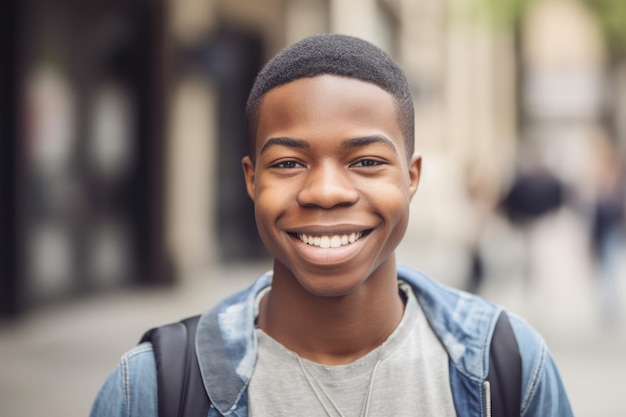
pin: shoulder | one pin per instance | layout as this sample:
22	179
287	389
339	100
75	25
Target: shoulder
463	322
444	298
543	392
141	355
139	368
131	388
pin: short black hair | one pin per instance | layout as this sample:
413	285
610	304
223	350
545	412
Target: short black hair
334	54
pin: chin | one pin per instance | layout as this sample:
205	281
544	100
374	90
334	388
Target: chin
332	283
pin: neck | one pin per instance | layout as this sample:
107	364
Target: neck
332	330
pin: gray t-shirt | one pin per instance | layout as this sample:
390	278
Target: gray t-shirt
406	376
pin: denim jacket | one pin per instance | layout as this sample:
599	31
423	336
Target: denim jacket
227	347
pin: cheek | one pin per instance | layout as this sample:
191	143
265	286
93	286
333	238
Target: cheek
396	209
264	223
270	203
391	195
397	206
393	204
272	196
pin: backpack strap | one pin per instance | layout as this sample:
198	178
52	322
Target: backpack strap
180	388
505	370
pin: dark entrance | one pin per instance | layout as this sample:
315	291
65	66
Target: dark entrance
82	132
234	58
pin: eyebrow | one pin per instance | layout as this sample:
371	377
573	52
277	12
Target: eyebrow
367	140
346	144
288	142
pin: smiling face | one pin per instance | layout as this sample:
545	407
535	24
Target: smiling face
331	183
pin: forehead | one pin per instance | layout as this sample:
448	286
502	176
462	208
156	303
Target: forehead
328	106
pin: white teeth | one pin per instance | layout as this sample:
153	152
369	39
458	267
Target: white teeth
330	241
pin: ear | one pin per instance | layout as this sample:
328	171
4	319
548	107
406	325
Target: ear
248	174
415	172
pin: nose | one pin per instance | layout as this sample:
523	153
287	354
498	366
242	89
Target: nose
327	186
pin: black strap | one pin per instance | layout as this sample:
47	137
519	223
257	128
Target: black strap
180	388
505	371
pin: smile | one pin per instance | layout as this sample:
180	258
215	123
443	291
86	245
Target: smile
330	241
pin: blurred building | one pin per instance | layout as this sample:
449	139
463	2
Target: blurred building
122	127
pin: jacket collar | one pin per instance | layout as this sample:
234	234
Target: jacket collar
226	346
226	342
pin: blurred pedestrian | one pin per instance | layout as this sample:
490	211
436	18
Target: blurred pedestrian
535	193
483	194
607	224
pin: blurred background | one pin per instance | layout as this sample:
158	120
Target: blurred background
122	203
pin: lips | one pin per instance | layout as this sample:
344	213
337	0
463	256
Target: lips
330	240
329	246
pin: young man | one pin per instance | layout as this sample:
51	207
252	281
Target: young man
337	329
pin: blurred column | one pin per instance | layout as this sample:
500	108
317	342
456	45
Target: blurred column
304	18
480	89
192	159
191	20
562	91
422	54
192	145
356	18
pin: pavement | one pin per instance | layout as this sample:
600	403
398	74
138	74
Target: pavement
54	360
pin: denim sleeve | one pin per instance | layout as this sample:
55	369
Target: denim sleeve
543	392
131	389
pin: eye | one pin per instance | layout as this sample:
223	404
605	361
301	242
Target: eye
287	165
367	162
